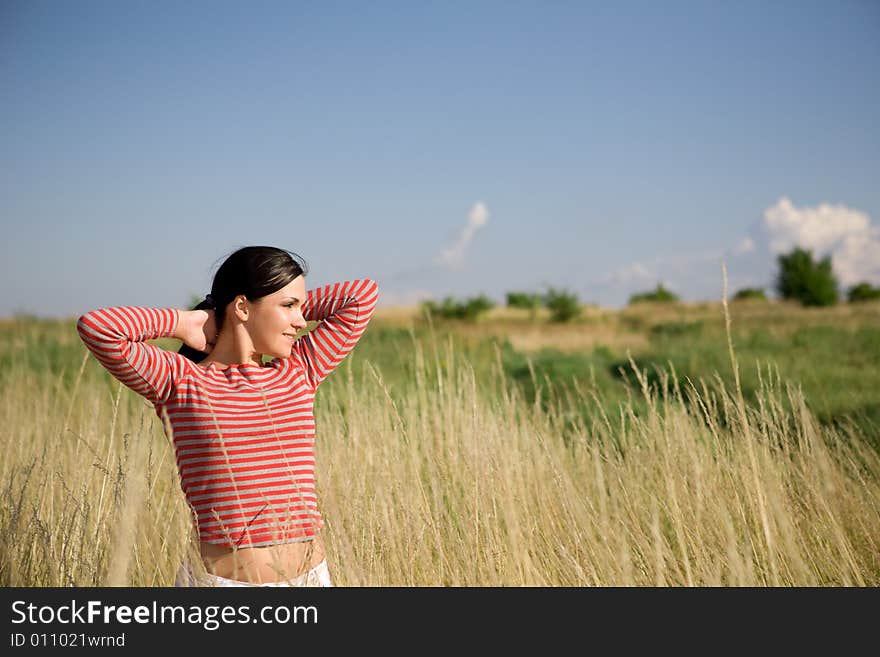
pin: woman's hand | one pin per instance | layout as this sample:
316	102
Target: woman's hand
197	329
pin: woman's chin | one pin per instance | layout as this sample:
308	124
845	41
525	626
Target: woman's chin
281	354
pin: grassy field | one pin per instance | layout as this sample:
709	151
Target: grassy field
626	448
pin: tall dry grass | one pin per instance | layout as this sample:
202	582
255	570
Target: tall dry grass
463	482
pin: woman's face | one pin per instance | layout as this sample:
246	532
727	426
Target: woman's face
277	318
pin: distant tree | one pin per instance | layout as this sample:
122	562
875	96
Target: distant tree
748	293
476	306
523	300
469	309
447	308
659	294
803	279
562	304
863	291
528	301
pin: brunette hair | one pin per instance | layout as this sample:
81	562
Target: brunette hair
255	272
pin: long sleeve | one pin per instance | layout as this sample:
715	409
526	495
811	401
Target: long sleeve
116	338
343	310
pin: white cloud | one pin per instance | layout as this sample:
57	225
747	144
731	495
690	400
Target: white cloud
453	257
632	273
746	246
844	233
694	267
656	268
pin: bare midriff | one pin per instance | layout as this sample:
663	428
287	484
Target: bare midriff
259	565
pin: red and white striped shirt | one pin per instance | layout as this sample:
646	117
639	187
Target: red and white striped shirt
243	436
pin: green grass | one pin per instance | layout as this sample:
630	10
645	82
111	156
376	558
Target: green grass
831	366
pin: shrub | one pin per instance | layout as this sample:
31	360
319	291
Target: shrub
748	293
863	291
476	306
442	309
469	309
563	305
659	294
530	302
523	300
805	280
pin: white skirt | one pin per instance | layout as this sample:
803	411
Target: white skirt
317	576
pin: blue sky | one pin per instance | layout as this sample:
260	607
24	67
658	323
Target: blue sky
440	148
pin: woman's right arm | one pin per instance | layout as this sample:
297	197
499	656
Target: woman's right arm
116	337
343	309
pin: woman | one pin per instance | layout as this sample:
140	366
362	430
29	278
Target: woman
243	431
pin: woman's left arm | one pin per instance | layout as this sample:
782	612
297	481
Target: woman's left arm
343	310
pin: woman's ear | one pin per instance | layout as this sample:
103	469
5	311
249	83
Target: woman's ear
241	308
